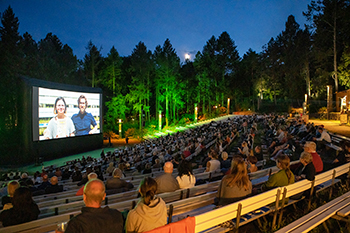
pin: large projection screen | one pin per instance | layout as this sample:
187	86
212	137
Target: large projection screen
61	113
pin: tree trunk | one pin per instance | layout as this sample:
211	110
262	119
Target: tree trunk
166	107
335	74
157	101
307	77
140	115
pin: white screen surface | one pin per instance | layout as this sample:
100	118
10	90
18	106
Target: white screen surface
73	123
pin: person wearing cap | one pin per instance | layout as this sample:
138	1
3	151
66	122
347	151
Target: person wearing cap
93	218
116	182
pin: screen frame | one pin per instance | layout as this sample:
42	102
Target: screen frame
36	84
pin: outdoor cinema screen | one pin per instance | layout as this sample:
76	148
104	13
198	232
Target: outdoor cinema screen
61	113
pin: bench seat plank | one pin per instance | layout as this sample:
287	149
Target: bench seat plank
306	223
344	211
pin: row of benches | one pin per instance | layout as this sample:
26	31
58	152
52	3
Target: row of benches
254	207
180	201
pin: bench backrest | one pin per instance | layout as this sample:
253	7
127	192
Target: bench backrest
228	212
223	214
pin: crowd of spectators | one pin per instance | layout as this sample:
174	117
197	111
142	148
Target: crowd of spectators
97	176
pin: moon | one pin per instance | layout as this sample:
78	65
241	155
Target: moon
187	56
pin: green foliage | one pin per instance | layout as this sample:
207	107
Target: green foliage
344	68
116	110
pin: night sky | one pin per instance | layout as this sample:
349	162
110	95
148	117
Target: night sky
188	24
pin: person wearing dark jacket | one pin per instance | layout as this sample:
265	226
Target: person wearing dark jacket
307	169
116	182
24	209
54	187
93	218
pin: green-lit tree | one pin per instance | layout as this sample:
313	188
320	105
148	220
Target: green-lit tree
330	21
344	68
167	68
111	73
141	69
116	109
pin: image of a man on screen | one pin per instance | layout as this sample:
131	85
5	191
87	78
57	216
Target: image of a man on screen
84	120
59	126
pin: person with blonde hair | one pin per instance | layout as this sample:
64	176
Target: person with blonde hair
310	147
245	150
307	169
6	201
225	163
150	212
283	177
234	186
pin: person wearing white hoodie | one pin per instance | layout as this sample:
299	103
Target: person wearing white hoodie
150	212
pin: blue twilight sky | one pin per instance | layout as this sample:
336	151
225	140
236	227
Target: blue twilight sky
188	24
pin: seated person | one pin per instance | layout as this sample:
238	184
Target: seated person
323	139
252	160
91	176
150	212
213	164
148	169
116	182
93	217
157	164
283	177
307	169
344	155
6	201
234	186
186	179
166	182
258	153
66	174
84	179
25	180
316	159
245	150
24	209
76	175
54	187
225	163
281	139
45	183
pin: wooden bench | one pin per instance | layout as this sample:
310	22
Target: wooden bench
334	147
177	207
318	216
127	198
253	208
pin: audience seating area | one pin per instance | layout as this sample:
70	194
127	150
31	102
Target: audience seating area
198	202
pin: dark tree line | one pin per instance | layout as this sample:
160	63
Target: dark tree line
293	63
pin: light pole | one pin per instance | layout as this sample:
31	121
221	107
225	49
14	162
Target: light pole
195	112
160	120
120	127
228	106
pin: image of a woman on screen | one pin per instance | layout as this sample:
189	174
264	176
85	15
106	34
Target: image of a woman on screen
83	121
59	126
